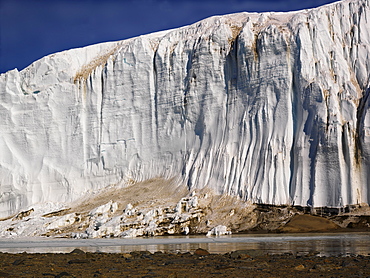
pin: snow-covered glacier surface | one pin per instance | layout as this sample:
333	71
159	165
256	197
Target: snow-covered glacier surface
272	107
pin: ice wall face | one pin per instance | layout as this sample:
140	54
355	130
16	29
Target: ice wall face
272	107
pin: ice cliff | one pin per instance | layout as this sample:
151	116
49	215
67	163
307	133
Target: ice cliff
272	107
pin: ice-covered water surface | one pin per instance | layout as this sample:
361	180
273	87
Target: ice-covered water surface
270	107
298	244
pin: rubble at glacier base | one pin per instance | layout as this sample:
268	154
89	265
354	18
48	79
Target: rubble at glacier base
158	207
150	208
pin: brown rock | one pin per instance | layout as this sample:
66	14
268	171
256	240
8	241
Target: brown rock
127	255
78	252
300	267
201	252
308	223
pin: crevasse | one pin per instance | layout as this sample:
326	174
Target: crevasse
271	107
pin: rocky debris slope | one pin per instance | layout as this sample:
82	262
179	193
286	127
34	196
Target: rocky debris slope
272	107
154	207
157	207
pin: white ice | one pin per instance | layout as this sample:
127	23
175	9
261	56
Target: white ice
270	107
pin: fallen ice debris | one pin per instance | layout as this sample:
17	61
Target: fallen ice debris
132	233
186	230
186	204
184	215
108	208
130	210
219	230
62	222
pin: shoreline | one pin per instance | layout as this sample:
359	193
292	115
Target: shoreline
323	244
240	263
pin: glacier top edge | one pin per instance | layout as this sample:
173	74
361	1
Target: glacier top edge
239	17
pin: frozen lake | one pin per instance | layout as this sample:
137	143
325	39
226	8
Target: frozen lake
323	244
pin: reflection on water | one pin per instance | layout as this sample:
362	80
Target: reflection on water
322	244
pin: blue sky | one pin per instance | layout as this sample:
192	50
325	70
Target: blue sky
31	29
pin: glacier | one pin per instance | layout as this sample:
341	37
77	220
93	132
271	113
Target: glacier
271	107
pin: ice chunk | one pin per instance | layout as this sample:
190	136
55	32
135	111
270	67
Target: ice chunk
219	231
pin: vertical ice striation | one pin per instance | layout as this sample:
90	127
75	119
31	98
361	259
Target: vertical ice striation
271	107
